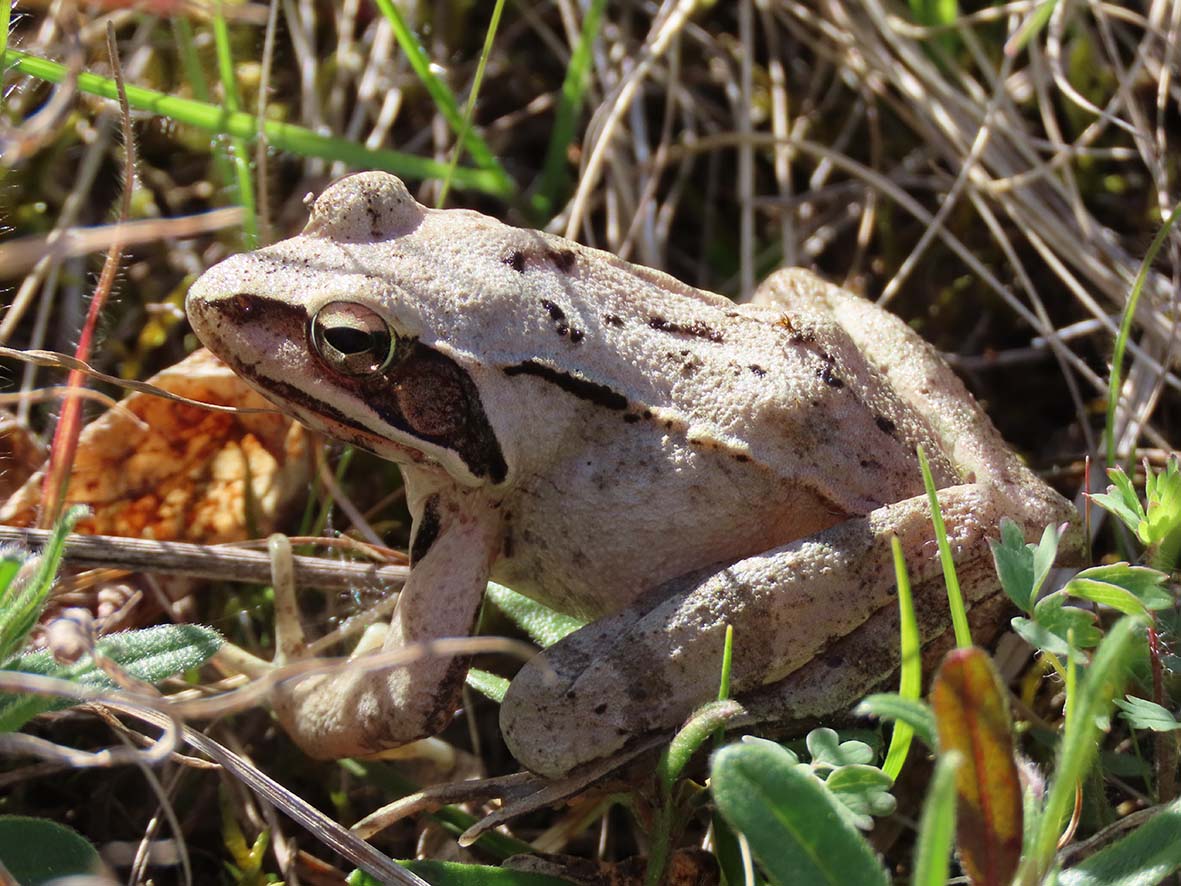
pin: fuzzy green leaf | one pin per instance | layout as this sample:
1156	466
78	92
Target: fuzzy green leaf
489	685
793	825
544	626
1146	856
36	851
151	655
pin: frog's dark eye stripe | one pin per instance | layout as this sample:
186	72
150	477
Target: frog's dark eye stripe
352	339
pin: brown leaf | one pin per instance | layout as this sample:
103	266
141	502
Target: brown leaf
972	717
181	472
20	453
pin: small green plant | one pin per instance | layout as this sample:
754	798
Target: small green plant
1155	521
150	655
1010	827
1051	624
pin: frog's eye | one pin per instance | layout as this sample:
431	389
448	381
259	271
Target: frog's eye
352	339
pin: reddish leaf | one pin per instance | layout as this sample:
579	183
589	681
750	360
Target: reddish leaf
972	717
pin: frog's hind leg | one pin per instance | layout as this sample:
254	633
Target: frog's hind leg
828	598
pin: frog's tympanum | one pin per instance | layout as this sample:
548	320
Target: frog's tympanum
621	447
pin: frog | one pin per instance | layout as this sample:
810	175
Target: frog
655	460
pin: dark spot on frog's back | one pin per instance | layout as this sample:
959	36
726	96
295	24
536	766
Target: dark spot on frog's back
582	388
830	378
374	213
563	259
695	328
561	326
613	320
515	260
885	425
556	313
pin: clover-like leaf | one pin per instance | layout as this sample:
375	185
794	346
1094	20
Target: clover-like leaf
1145	714
828	750
864	791
1014	564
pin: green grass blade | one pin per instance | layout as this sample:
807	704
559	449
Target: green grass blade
727	664
489	37
910	681
544	626
282	136
1031	27
937	827
21	604
239	152
955	599
443	98
1125	332
1104	680
553	173
5	22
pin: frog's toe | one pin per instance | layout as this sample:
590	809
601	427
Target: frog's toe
587	697
552	729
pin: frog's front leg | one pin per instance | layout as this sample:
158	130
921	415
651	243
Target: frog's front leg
358	711
795	610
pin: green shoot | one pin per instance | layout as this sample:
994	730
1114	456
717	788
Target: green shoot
955	599
1125	332
910	681
445	103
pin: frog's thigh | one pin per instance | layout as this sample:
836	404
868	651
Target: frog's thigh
647	667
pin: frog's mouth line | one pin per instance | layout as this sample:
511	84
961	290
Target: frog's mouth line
424	396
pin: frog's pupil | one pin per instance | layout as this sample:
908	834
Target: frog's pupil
350	340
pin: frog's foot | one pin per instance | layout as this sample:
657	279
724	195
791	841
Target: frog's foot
520	793
403	681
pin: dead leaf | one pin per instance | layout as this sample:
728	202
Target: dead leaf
182	473
972	717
